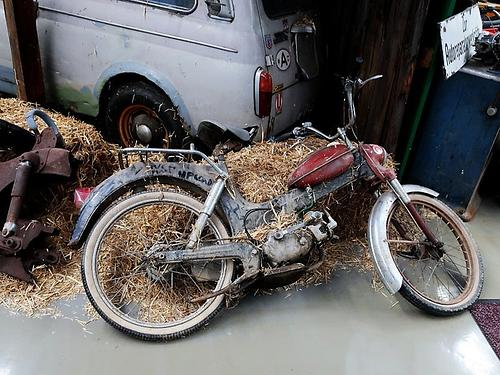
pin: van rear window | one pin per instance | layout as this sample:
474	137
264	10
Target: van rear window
280	8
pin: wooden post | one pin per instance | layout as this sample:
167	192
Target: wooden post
20	16
387	34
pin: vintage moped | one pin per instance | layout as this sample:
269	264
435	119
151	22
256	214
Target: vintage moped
166	242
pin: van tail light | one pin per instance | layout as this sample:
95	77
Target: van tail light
263	92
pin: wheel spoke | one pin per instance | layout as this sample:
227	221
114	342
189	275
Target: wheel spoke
448	289
455	257
408	242
455	281
432	272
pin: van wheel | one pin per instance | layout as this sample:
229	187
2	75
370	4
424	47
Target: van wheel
140	114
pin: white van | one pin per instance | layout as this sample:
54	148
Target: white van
154	69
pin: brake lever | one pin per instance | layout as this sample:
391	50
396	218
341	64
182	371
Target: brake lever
361	83
309	128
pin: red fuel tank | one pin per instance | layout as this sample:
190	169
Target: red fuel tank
321	165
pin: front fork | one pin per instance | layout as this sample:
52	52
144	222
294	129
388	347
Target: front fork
397	188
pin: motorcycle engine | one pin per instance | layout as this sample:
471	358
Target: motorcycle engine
283	246
294	242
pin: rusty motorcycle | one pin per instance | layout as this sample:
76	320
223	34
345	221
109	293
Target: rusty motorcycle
24	156
159	264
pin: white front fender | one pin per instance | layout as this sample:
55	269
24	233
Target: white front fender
377	232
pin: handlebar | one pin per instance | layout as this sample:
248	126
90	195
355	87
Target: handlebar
284	136
30	120
351	86
309	128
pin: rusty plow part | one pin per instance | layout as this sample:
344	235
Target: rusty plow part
20	248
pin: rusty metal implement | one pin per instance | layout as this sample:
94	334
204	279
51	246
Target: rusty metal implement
46	156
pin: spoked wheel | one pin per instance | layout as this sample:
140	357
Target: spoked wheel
443	279
134	292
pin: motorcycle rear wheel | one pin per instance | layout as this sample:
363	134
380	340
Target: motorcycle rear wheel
440	280
148	300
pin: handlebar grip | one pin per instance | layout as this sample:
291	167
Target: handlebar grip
30	120
283	137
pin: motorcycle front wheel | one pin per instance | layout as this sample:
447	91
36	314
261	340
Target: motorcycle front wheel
134	292
444	279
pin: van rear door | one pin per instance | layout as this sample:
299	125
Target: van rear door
289	38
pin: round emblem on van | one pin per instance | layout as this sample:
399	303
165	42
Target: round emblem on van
283	59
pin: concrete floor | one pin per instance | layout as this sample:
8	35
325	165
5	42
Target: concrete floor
344	327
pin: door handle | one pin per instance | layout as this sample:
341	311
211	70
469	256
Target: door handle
215	5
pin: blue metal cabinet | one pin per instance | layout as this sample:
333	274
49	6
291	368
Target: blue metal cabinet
456	137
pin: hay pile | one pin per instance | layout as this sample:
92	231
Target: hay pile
259	171
97	160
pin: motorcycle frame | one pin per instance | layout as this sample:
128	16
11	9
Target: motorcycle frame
241	213
237	210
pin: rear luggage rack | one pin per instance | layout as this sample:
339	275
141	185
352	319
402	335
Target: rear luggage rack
170	155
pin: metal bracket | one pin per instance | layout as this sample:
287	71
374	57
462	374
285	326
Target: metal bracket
249	255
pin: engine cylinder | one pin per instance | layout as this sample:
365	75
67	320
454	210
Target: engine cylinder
283	246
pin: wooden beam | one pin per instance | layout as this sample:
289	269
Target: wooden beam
387	34
20	16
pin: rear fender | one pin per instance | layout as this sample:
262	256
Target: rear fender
194	177
377	226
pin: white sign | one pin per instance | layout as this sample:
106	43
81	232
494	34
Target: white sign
458	37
